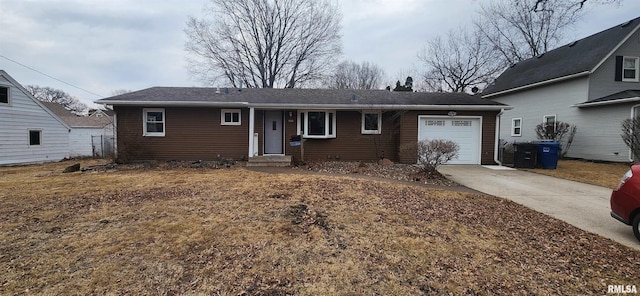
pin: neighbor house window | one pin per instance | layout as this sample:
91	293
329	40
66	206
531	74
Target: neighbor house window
630	69
549	122
35	137
4	95
230	117
153	122
371	122
317	124
516	127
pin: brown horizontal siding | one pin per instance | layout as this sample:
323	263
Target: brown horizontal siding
190	134
350	144
409	132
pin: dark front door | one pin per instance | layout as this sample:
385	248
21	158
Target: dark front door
273	132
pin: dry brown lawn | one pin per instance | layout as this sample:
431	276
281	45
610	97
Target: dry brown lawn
238	232
601	174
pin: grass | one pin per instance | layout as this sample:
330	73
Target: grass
234	231
600	174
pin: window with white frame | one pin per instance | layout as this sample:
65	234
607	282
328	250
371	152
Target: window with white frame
317	124
4	95
35	137
550	125
630	69
230	117
516	127
153	122
371	122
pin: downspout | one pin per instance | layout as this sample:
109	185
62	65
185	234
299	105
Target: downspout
497	144
251	132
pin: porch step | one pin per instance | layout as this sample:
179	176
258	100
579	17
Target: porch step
269	161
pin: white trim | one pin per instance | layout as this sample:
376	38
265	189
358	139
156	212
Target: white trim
328	124
513	127
636	68
252	136
144	122
541	83
479	144
496	145
223	120
362	125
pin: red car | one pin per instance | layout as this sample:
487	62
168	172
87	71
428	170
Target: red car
625	200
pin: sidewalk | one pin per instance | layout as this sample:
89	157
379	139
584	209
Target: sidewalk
582	205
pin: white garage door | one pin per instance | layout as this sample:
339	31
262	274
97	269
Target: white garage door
464	131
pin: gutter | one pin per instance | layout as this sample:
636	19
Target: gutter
305	106
496	154
603	103
538	84
172	103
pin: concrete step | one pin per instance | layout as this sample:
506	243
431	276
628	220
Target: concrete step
269	160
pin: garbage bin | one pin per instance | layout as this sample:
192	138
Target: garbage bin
548	154
525	155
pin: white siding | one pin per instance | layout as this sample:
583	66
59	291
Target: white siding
16	119
80	141
598	135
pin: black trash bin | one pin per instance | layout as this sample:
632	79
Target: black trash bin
525	155
548	154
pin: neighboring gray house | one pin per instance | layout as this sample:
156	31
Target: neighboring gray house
30	132
90	135
593	83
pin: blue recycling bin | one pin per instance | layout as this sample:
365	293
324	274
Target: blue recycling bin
548	153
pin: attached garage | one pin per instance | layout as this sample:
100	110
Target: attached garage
464	130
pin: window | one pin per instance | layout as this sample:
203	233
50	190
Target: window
4	95
516	127
230	117
550	125
461	123
630	69
627	69
35	137
153	122
434	123
317	124
371	122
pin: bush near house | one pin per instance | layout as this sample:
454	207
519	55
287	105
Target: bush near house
432	153
557	132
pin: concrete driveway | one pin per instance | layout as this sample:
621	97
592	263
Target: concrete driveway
582	205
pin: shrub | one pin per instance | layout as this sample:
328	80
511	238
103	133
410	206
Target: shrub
557	133
631	136
431	154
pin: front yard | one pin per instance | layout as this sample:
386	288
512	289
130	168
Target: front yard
600	174
238	232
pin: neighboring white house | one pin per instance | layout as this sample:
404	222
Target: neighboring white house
592	83
90	135
30	132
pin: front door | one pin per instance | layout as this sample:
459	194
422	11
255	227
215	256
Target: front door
273	132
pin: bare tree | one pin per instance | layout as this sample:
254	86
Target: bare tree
121	91
49	94
352	75
264	43
521	29
460	62
540	4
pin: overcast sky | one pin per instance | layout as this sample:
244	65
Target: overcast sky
106	45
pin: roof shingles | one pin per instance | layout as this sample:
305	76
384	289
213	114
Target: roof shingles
578	57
